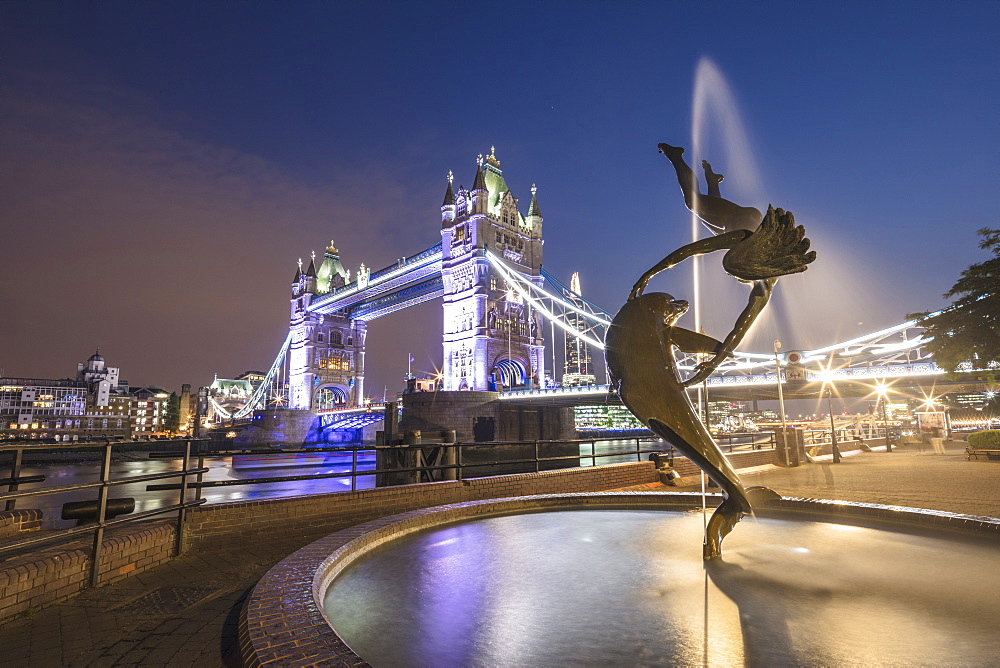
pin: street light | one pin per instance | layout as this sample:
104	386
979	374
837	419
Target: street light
833	429
781	402
828	384
882	391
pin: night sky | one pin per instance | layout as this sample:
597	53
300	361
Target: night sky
163	165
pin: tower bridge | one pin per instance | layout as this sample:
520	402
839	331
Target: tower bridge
496	302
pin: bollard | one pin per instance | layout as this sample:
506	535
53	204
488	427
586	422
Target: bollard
86	511
449	459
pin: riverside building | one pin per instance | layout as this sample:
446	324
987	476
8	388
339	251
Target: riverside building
94	405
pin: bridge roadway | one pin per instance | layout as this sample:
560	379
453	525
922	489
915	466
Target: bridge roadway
914	386
600	395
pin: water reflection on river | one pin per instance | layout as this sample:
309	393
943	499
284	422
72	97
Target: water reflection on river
221	468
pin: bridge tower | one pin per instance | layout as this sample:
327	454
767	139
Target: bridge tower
492	339
326	352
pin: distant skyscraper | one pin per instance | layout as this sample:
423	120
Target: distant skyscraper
579	367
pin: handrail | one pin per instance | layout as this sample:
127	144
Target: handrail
103	486
460	467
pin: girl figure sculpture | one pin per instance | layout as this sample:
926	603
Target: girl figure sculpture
758	249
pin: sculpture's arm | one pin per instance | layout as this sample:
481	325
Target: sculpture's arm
759	297
700	247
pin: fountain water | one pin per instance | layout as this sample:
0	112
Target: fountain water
614	587
837	283
717	132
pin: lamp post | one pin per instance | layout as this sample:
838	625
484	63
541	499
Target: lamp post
833	428
885	420
885	424
781	402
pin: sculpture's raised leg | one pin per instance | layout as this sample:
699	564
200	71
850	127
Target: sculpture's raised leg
719	214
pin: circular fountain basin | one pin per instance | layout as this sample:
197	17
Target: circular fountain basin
611	579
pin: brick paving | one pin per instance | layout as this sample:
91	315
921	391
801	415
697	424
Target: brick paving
910	475
89	630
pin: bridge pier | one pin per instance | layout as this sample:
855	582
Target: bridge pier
276	426
480	416
295	428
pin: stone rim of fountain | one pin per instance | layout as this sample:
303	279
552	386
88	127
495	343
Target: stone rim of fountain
283	620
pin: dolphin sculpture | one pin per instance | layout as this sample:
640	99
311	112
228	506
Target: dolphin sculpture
639	344
639	350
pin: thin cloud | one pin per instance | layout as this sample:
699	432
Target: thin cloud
172	253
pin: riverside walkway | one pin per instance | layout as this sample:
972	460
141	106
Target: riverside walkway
186	612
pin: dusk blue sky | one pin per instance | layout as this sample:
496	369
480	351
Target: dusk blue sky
162	165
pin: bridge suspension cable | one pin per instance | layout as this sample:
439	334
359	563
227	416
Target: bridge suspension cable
557	308
579	317
259	398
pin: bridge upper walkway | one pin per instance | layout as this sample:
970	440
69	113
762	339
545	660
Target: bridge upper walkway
411	281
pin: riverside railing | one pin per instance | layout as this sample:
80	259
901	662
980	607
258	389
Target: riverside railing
760	440
434	461
103	486
429	459
392	465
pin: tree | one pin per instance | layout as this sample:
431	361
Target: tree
969	329
172	414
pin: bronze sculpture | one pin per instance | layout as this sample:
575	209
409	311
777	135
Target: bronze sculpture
640	341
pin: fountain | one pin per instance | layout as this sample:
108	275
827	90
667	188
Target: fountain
601	585
596	579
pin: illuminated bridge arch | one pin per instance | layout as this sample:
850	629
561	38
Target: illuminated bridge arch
511	373
330	396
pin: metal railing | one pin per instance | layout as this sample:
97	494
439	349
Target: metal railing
761	440
103	487
821	436
393	465
433	461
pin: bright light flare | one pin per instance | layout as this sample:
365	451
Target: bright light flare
881	388
827	374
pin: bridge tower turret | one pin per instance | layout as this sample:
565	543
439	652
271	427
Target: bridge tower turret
448	206
326	352
492	339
